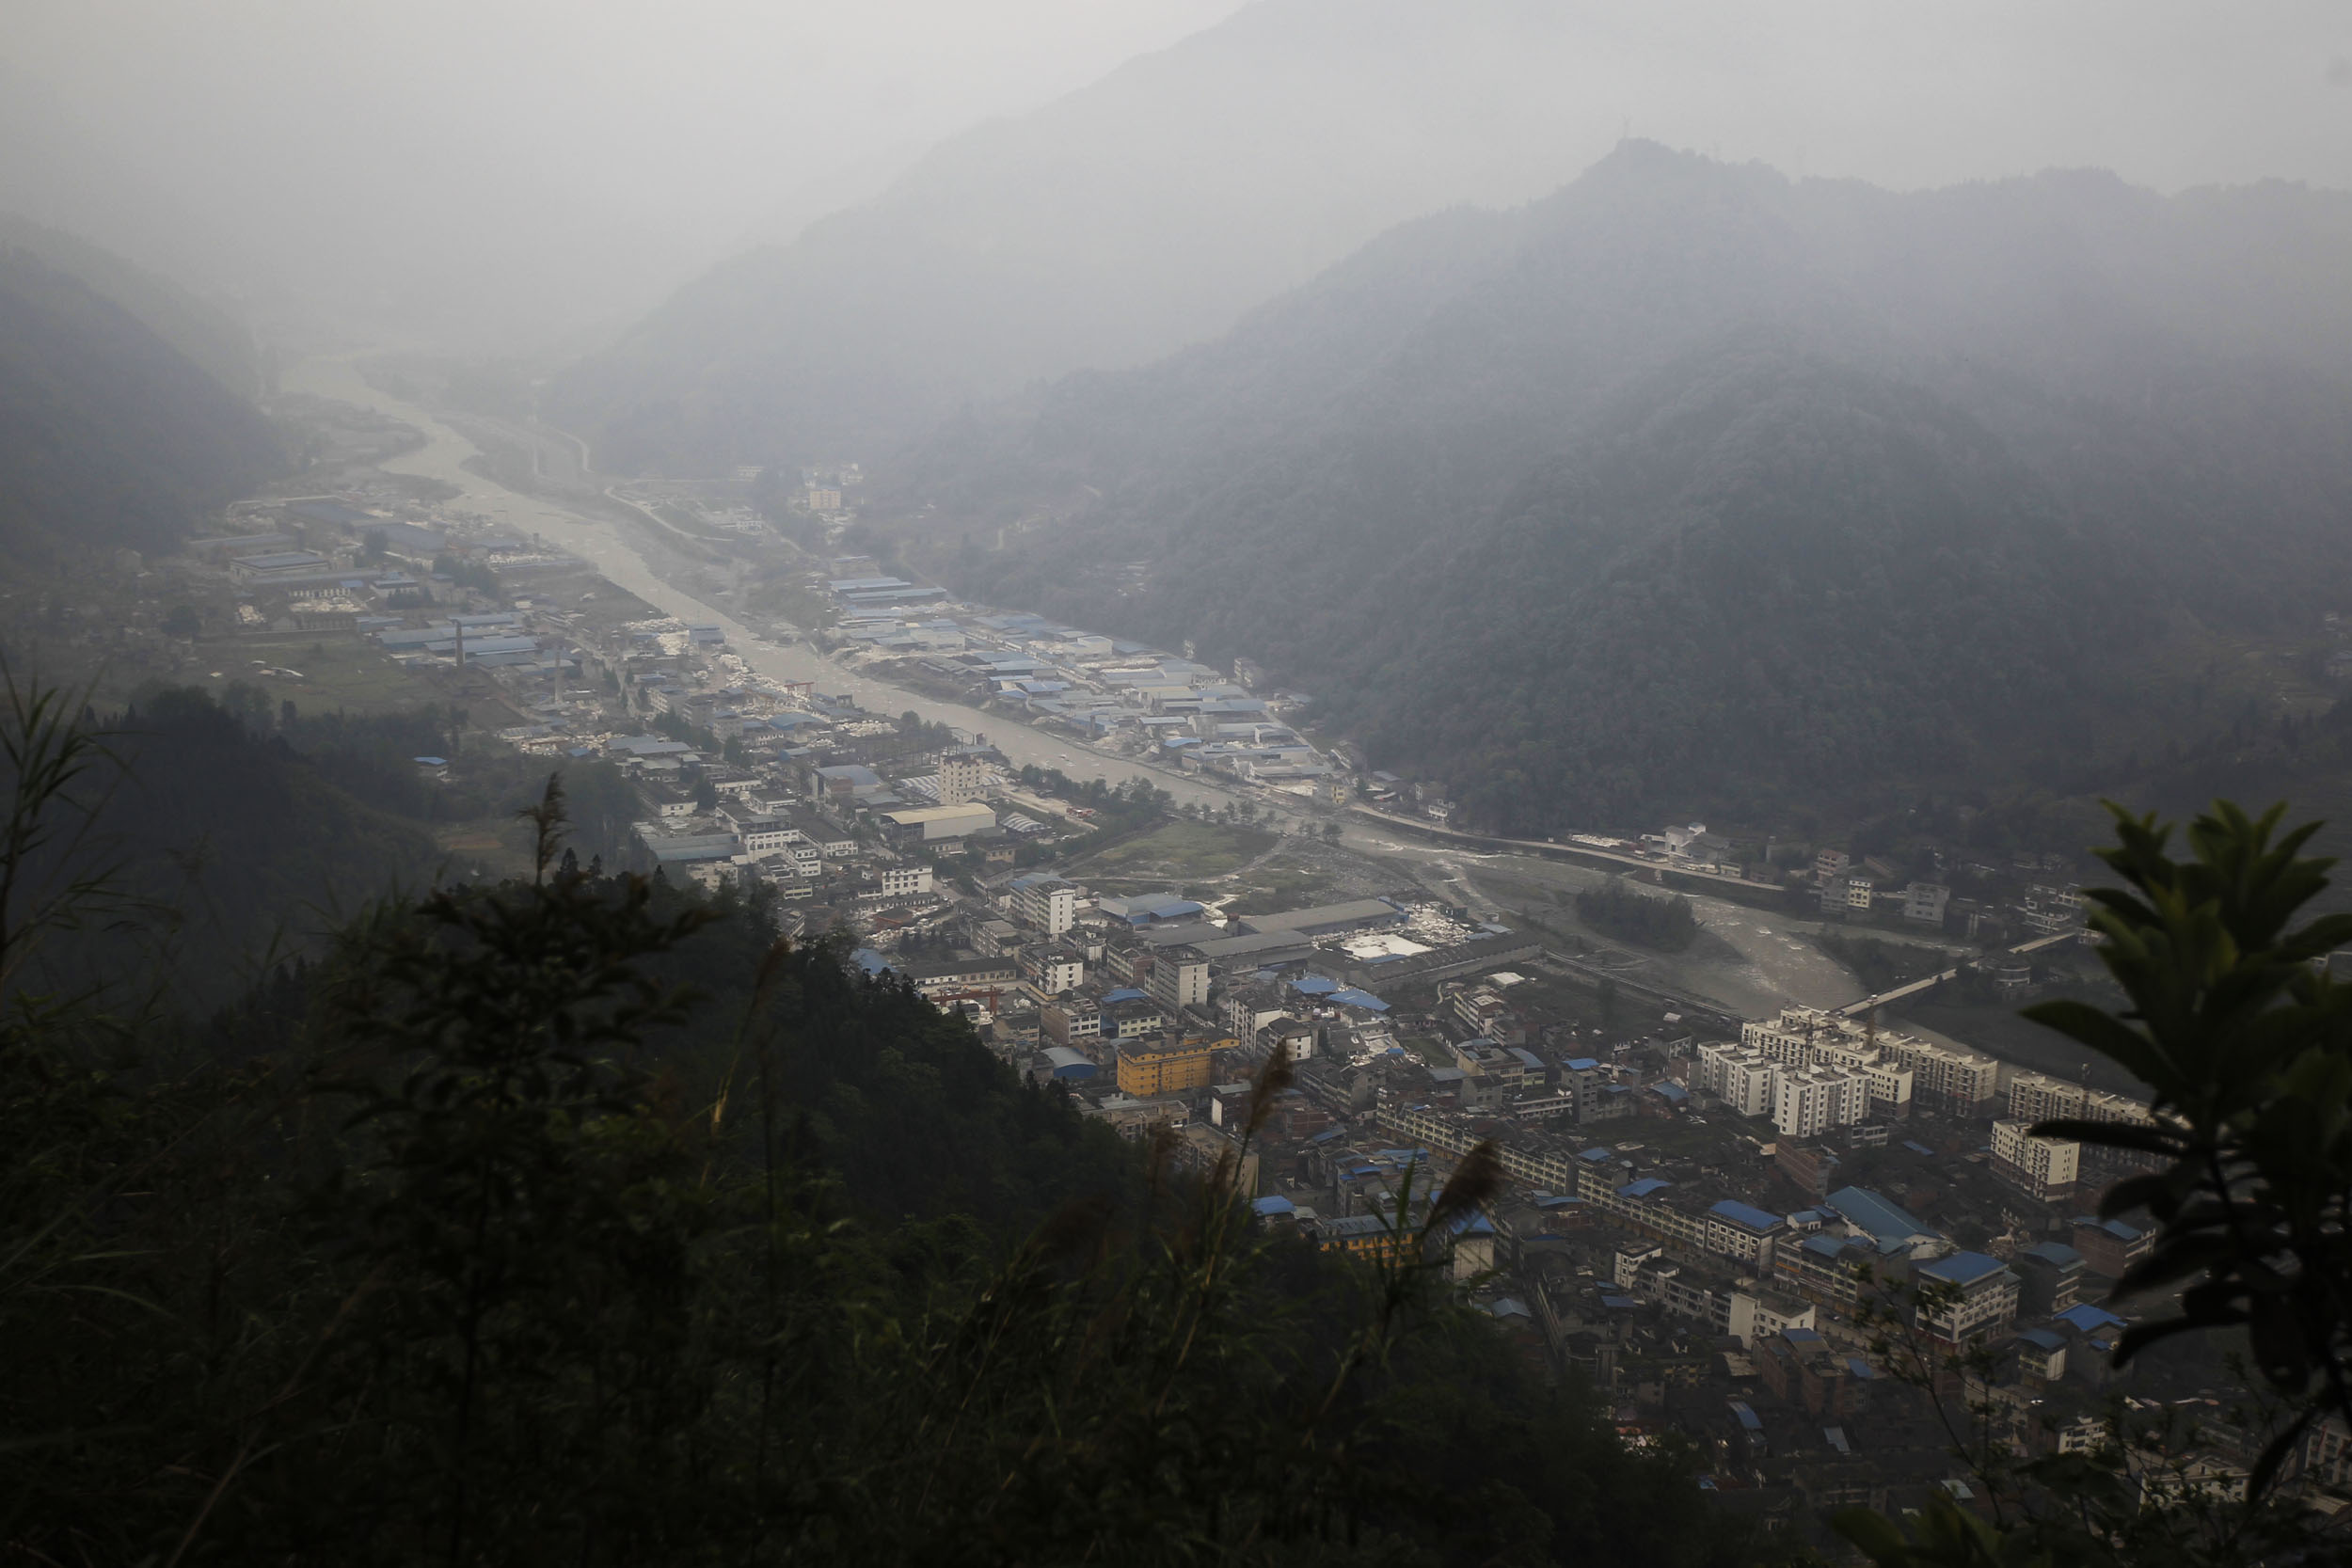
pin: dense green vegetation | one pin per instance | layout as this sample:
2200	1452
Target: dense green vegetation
1695	489
1883	965
574	1220
109	435
1663	920
240	826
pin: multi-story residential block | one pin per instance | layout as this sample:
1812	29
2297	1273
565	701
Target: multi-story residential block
2050	1277
1808	1102
1741	1076
1180	978
1052	970
963	776
1925	902
1979	1297
1829	1269
2110	1247
1046	901
1960	1081
1744	1233
903	881
2045	1169
1890	1085
1486	1014
1251	1005
1167	1063
1070	1020
1292	1035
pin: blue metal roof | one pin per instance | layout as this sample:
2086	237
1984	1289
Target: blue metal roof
1744	1214
2041	1336
1643	1188
1581	1063
1597	1155
2115	1229
1961	1268
1878	1217
1275	1205
2087	1318
1747	1418
2055	1252
1314	985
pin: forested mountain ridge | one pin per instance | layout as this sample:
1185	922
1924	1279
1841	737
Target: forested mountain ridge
108	434
1692	488
1143	212
220	344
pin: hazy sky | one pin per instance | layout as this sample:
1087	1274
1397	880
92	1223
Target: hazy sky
647	133
558	164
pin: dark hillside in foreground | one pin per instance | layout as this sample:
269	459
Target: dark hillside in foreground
109	435
1693	488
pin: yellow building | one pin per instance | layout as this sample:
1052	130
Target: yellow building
1167	1064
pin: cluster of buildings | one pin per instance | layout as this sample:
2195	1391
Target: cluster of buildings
358	564
1677	1230
1136	699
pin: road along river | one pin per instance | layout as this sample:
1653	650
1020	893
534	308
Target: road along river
607	547
1773	961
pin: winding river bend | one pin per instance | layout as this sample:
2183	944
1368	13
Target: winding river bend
609	547
1773	962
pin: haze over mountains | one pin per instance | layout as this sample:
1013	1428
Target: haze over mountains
1148	211
125	404
1696	486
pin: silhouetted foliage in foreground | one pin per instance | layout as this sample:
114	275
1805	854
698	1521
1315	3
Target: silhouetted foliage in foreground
477	1242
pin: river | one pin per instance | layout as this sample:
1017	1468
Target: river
1774	962
609	547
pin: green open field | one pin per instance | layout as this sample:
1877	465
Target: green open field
1283	883
342	673
1180	851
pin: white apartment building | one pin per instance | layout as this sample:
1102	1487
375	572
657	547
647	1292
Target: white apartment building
1808	1102
902	881
1054	970
1180	978
2044	1168
1739	1076
1899	1068
2036	1097
962	777
1982	1296
1048	902
763	835
1890	1089
1925	902
1958	1078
